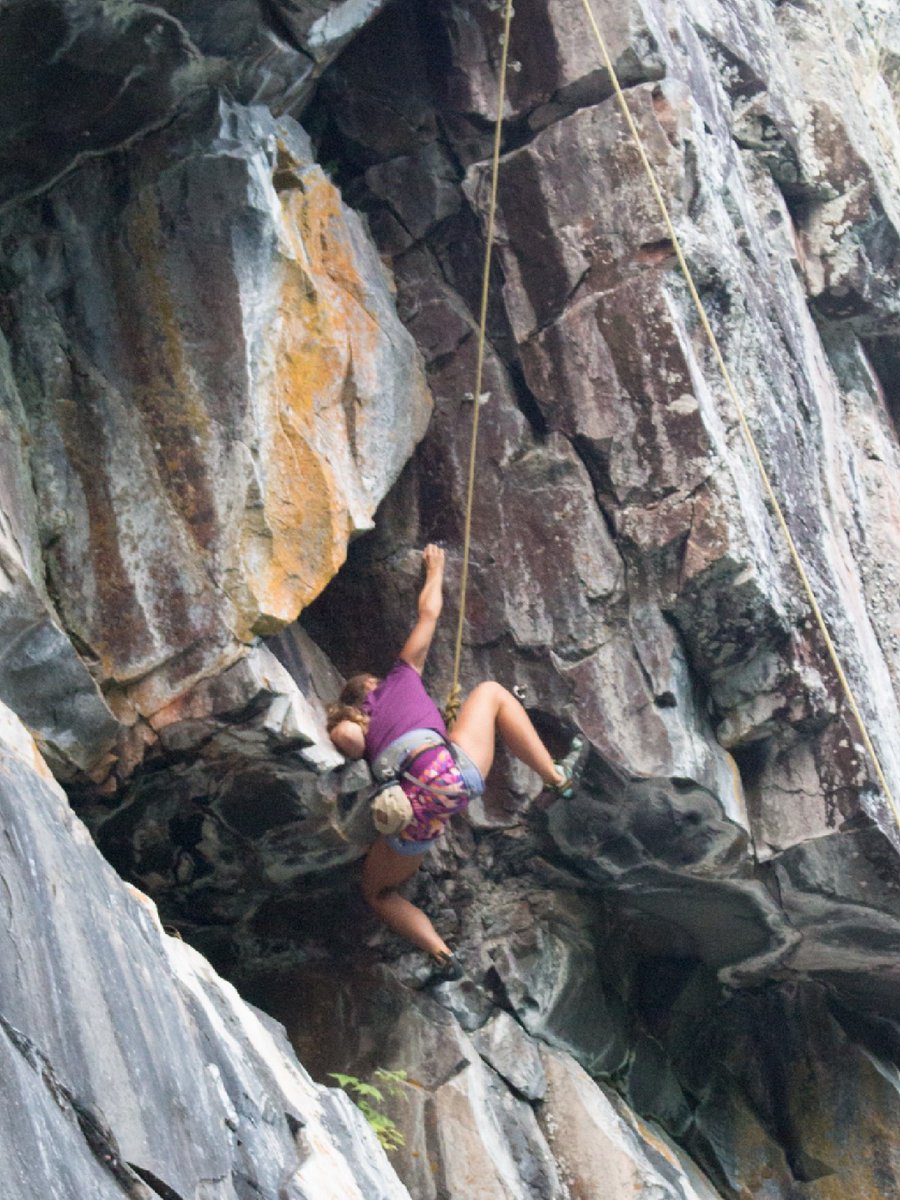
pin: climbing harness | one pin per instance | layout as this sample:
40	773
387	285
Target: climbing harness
393	759
452	708
407	796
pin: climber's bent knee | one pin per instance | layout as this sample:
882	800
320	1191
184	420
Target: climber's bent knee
489	690
374	897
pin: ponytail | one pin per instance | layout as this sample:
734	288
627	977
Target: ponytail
335	713
348	707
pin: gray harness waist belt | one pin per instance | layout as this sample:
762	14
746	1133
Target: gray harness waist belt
390	762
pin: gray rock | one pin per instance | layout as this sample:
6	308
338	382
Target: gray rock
596	1139
459	1120
135	416
42	677
503	1044
557	993
593	342
839	892
82	79
141	1063
208	395
51	1143
777	1117
487	1138
653	1090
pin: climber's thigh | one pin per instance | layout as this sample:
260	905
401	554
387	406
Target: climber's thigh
384	868
475	727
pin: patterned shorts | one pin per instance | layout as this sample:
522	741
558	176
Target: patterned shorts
442	784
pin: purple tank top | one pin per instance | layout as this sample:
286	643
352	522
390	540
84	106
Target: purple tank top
399	704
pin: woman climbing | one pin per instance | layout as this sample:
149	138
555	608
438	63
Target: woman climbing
395	725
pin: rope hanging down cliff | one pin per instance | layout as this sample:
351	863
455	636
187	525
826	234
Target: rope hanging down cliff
741	414
453	700
451	711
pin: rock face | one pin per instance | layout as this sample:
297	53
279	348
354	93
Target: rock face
229	428
634	403
131	1069
80	79
238	299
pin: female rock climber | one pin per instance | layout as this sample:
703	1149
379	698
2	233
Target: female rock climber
395	725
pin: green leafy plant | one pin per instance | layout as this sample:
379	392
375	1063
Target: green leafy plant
367	1095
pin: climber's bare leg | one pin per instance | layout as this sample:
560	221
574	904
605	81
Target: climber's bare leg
383	872
491	709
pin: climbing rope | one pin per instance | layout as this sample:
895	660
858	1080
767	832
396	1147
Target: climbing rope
741	413
451	709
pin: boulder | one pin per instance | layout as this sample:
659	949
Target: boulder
134	1069
594	1139
82	79
216	315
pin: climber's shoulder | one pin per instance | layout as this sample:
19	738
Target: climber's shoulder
349	738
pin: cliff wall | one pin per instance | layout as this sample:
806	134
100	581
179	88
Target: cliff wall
242	249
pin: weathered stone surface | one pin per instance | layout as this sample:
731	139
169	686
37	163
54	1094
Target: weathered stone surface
698	639
215	315
251	802
323	27
593	344
41	675
465	1133
207	395
554	66
654	1091
81	78
842	895
127	1058
792	1112
653	841
557	993
513	1055
489	1143
598	1146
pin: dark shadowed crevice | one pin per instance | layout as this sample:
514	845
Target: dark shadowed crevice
155	1184
751	760
352	620
527	404
594	456
274	18
884	357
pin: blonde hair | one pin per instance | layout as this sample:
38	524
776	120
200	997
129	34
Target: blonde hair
348	703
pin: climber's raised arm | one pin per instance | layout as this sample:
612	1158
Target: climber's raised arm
431	601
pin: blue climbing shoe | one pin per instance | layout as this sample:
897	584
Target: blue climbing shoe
571	768
447	969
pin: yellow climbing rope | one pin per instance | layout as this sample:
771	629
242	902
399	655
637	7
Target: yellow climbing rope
742	416
451	709
453	700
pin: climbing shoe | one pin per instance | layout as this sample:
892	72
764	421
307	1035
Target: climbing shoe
447	968
570	768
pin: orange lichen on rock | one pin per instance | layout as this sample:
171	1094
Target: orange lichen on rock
297	541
